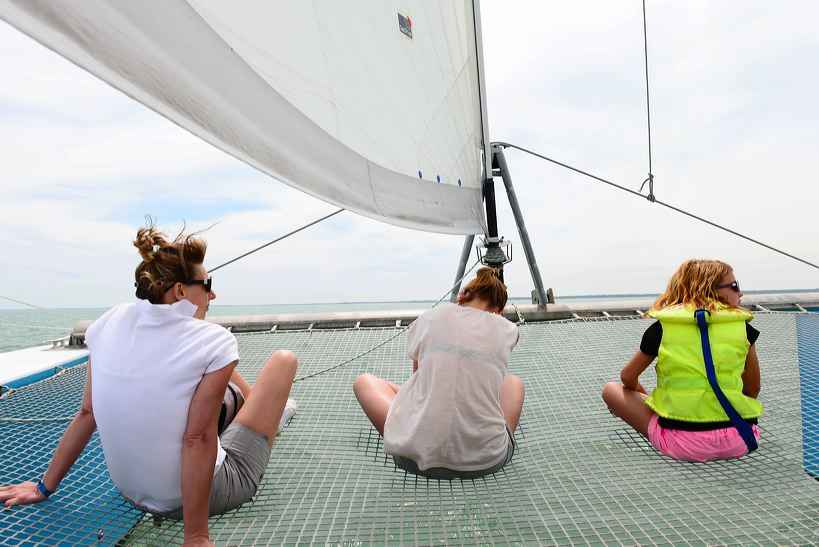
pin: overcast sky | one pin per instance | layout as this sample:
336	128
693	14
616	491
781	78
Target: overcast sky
735	136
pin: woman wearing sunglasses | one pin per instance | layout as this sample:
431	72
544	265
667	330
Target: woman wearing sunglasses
685	417
157	375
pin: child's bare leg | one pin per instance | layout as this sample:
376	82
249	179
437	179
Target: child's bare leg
375	396
263	409
628	405
511	400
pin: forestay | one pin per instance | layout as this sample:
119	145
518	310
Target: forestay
372	106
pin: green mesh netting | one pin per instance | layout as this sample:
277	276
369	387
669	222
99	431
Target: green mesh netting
87	509
579	476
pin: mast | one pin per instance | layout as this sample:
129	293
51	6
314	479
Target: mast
494	257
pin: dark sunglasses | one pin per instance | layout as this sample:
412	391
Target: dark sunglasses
208	283
733	285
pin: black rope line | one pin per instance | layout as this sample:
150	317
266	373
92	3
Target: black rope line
658	202
650	179
275	240
388	340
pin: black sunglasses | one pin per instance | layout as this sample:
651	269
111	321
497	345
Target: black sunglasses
208	283
733	285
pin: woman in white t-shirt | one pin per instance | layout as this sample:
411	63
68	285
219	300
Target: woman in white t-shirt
456	415
159	374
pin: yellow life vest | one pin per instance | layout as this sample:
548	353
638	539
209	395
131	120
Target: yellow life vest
683	392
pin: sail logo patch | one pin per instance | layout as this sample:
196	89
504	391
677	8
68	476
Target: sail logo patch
405	24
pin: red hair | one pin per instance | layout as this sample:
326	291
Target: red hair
486	286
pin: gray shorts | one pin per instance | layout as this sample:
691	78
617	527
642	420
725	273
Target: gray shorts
240	474
443	473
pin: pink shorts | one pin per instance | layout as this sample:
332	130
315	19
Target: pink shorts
698	446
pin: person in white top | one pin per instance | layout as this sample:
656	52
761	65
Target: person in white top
456	415
155	392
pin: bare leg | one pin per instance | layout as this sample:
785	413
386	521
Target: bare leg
629	406
511	400
263	409
240	382
375	396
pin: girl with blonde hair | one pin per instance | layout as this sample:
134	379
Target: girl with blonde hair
456	415
704	407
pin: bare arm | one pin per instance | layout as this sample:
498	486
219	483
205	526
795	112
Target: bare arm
72	443
414	366
199	452
751	380
633	369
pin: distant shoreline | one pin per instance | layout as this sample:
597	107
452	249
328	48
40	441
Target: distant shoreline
615	296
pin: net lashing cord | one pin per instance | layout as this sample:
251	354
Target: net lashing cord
581	476
401	331
333	367
9	391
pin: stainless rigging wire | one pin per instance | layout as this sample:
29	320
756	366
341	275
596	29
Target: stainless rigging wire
47	310
75	316
650	179
259	248
669	206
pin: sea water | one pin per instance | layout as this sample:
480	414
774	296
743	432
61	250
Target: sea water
24	328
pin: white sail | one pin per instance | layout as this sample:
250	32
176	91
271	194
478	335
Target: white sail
370	105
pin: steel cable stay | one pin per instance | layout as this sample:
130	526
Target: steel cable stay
47	310
80	317
305	377
650	178
658	202
260	247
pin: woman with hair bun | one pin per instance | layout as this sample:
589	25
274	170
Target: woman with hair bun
456	415
159	377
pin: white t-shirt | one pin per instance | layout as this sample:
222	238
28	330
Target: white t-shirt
147	361
448	413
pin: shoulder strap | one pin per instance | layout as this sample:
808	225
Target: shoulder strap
738	421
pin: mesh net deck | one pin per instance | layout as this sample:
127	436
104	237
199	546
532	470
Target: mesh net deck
580	475
88	510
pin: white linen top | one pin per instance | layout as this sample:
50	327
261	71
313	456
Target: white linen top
146	362
448	413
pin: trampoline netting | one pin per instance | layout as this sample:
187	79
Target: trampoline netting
579	476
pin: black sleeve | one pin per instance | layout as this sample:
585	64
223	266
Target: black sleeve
650	345
752	333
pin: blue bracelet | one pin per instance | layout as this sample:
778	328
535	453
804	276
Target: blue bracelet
42	488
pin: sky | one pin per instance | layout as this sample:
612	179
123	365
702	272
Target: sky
734	127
